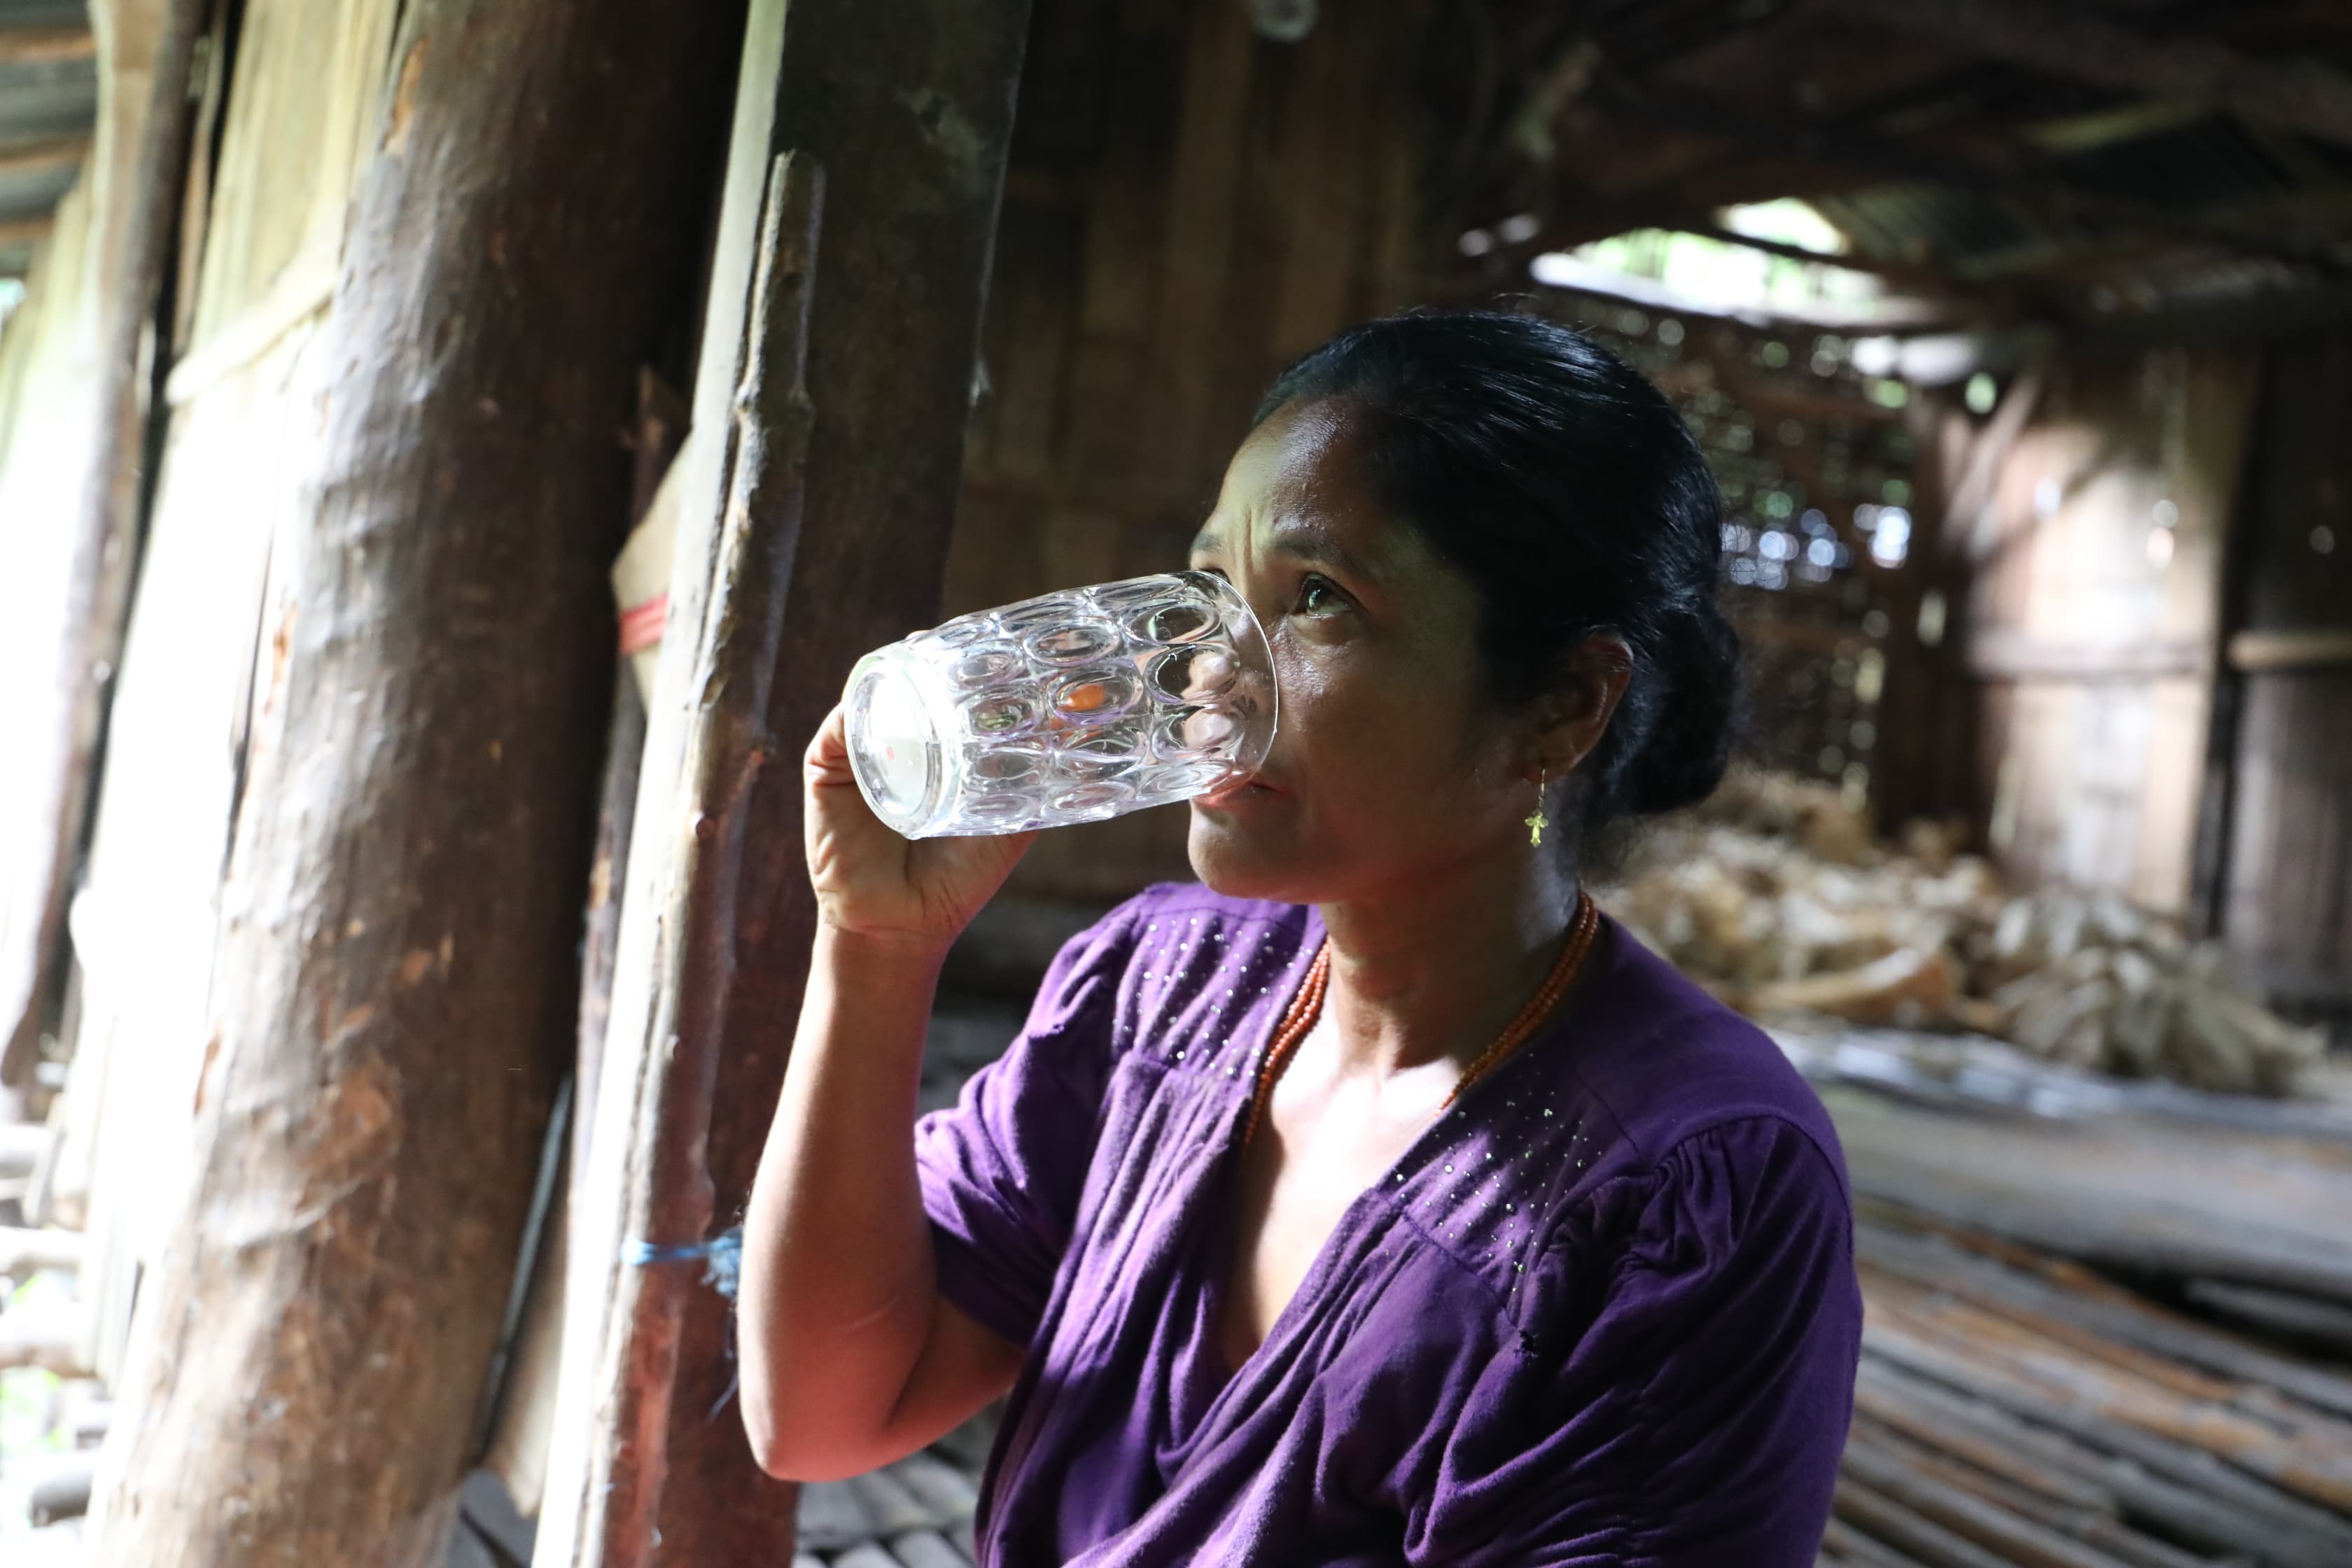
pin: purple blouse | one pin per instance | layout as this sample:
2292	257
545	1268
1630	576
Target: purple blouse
1603	1312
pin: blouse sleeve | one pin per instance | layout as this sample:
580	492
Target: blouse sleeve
1001	1170
1691	1407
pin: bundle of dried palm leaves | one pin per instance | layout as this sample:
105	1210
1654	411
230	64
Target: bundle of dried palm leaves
1775	895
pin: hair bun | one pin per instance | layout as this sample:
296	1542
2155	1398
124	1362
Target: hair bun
1686	753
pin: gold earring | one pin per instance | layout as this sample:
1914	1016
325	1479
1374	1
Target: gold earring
1539	822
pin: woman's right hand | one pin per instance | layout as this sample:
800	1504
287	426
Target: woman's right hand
917	894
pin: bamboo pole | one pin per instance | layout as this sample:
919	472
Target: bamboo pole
2038	1411
2019	1539
1867	1509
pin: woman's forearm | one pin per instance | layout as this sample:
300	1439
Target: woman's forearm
837	1298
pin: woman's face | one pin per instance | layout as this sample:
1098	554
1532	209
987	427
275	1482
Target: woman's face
1391	766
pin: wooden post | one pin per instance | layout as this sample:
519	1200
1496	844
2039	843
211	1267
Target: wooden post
98	604
827	551
396	970
728	749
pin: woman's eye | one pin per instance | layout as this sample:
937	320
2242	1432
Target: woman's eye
1316	595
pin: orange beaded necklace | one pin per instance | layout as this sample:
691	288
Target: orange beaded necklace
1307	1006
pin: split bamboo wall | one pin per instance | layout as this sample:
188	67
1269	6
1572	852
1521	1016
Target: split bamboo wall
2093	619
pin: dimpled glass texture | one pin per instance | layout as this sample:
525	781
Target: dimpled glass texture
1071	708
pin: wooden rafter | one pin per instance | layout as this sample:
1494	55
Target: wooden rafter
50	152
1896	317
1853	148
2297	95
1620	217
46	45
16	231
2269	315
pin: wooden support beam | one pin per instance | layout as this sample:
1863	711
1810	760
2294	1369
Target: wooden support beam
2255	652
22	1146
24	1251
16	231
46	45
736	669
1997	654
2303	95
62	1492
1707	228
107	531
1899	318
589	1440
40	157
397	971
2271	313
908	105
46	1335
1968	520
1587	214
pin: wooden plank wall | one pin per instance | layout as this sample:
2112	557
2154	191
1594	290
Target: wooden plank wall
2093	619
1190	207
2283	889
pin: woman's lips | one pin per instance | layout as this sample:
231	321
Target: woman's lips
1248	787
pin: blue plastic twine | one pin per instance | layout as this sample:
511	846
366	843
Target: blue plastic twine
721	1258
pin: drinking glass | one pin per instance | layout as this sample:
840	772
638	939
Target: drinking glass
1074	707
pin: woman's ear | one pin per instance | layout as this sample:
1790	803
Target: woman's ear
1571	718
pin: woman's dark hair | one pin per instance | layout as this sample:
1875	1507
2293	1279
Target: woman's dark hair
1569	492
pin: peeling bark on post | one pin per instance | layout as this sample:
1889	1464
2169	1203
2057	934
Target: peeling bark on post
396	970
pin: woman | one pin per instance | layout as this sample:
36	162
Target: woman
1376	1202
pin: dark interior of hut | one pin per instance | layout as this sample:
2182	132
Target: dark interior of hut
2018	337
2003	262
